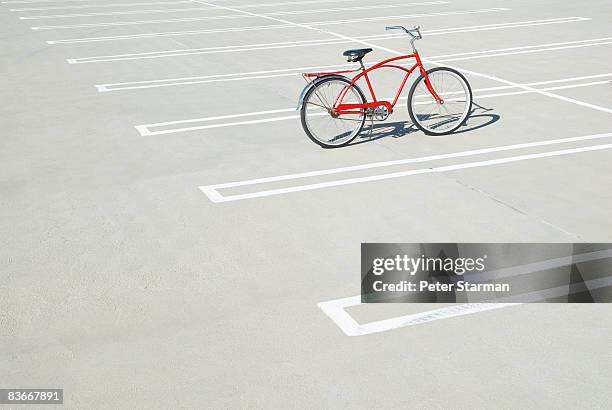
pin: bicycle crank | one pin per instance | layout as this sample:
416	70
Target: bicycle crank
379	113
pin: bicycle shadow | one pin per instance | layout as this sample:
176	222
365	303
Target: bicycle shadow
480	117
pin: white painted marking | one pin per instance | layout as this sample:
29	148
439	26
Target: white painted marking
477	96
102	5
299	43
301	188
358	8
396	17
246	6
220	117
384	164
414	172
561	87
218	197
148	127
309	43
236	16
336	309
133	23
39	1
212	78
206	50
112	13
288	3
213	194
398	53
272	26
527	50
545	92
203	79
299	70
564	80
169	34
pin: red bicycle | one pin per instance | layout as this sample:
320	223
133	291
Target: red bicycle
334	109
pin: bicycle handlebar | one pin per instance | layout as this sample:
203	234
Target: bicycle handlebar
410	32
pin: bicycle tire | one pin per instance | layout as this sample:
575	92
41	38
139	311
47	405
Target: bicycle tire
304	111
419	123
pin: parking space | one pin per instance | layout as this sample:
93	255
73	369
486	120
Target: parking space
170	233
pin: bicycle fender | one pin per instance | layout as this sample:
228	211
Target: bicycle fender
310	86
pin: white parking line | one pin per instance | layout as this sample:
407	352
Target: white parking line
212	191
399	53
479	94
281	26
546	92
206	50
103	5
336	309
242	6
430	3
113	13
240	16
133	23
158	11
39	1
288	3
361	19
211	78
214	195
299	70
144	130
524	50
309	43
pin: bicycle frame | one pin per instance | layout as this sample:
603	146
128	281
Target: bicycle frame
339	108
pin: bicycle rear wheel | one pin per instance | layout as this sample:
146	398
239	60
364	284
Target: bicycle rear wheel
428	114
320	124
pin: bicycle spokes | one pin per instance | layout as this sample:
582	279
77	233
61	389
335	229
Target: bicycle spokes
438	117
320	118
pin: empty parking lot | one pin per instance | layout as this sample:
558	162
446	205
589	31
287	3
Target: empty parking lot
171	238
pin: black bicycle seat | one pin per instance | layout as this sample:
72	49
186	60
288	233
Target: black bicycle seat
356	54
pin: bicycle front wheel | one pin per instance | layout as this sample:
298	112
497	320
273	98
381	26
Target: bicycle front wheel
319	121
428	114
